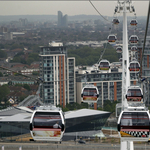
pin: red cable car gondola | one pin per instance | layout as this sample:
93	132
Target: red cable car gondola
134	66
104	65
133	39
112	38
134	125
115	21
47	124
134	94
89	93
133	22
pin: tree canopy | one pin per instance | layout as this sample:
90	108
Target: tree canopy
3	54
30	59
4	90
88	56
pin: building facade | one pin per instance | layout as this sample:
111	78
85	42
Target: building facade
58	74
15	121
62	20
109	83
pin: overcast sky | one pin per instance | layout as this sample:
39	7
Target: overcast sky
70	8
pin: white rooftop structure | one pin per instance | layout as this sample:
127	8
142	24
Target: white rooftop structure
55	44
16	114
83	113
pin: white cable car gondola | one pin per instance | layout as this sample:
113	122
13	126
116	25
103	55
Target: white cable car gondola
133	22
133	39
134	66
134	125
119	49
104	65
111	38
89	93
47	124
115	21
120	59
134	49
134	94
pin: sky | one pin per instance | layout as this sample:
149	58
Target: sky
70	8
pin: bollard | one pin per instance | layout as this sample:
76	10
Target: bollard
39	147
3	147
20	148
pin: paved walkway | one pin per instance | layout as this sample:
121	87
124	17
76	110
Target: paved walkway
67	146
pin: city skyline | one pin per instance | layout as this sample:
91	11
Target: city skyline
70	8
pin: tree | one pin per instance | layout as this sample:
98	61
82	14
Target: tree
110	106
30	60
34	56
35	73
3	54
26	86
1	75
88	56
4	91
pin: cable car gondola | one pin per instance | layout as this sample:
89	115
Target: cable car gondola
134	66
133	39
133	22
112	38
134	49
89	93
104	65
134	94
47	124
134	125
119	49
120	59
115	21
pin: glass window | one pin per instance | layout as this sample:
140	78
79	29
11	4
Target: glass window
135	119
46	119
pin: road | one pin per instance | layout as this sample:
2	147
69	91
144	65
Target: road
67	146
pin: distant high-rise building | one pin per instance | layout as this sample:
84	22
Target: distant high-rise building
62	20
65	21
3	29
58	73
23	22
59	18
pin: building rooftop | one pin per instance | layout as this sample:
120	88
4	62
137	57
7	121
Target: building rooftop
83	113
17	114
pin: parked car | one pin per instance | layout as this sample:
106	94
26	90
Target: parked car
81	142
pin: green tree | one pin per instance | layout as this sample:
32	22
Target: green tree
3	54
1	75
35	56
26	86
30	60
110	106
65	109
4	91
15	46
85	55
35	73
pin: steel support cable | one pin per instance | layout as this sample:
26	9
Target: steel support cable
134	57
144	39
101	56
98	11
110	30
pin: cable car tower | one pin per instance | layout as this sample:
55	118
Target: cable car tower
129	127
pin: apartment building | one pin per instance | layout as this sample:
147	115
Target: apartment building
109	83
58	74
